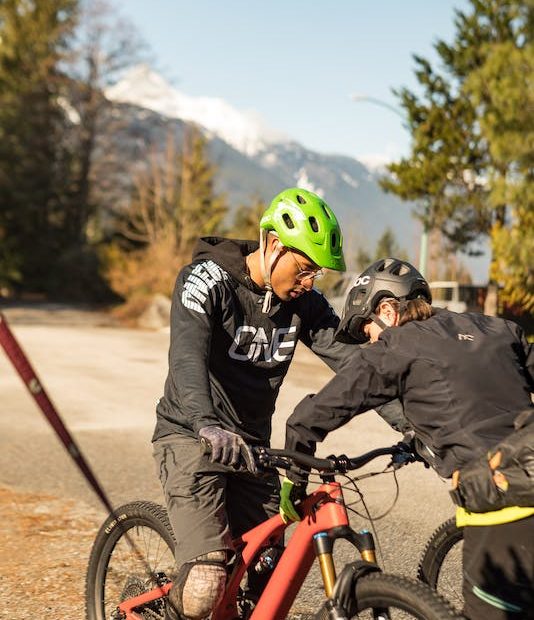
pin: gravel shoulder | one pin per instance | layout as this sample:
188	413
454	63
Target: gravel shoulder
45	543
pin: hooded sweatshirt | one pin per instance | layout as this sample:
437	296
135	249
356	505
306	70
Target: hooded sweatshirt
227	359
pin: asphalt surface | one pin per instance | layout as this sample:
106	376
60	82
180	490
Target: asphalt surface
105	382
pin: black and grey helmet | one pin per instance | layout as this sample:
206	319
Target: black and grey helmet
388	277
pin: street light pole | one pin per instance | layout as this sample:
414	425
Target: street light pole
383	104
423	250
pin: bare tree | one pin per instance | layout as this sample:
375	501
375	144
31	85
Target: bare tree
173	203
106	44
154	209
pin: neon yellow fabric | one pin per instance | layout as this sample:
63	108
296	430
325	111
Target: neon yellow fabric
496	517
287	510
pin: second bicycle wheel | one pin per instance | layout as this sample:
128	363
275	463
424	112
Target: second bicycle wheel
441	563
133	552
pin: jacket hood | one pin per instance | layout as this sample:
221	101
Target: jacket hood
229	254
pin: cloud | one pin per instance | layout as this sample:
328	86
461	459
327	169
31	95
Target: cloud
378	161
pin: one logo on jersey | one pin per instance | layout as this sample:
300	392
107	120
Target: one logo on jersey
466	337
198	284
252	343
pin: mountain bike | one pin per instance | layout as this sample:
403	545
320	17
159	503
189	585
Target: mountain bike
131	563
441	562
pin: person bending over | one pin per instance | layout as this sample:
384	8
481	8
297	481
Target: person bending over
238	311
463	379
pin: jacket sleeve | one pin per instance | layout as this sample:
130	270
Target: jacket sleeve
194	309
371	377
527	357
319	323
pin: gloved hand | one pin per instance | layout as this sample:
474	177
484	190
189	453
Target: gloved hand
289	493
416	447
227	447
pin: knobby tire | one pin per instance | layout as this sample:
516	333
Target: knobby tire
441	562
403	598
116	571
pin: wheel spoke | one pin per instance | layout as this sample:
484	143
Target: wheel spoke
129	559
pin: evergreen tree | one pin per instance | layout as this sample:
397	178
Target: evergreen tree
501	89
246	224
200	210
362	259
33	159
387	246
470	165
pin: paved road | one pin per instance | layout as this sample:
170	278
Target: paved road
105	382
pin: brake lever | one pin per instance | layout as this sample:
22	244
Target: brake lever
404	456
265	461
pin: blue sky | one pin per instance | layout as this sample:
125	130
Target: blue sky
296	62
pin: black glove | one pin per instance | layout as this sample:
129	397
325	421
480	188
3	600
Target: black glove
227	448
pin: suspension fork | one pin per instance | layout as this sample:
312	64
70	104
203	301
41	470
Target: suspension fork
323	543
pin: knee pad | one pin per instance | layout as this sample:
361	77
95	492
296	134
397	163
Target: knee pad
199	585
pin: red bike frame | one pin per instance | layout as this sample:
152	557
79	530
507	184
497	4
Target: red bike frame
321	511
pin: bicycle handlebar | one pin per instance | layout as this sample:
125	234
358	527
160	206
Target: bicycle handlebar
284	459
272	457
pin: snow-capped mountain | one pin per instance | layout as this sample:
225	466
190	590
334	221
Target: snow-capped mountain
251	159
145	88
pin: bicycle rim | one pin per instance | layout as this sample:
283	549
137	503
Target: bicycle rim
129	557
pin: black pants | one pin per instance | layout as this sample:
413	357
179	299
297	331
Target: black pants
498	562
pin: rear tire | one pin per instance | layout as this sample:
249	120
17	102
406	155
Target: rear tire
116	571
441	563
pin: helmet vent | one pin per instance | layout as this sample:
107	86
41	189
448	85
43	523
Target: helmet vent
287	220
301	200
313	223
334	240
399	269
326	211
359	297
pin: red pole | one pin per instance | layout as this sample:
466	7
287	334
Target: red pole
29	376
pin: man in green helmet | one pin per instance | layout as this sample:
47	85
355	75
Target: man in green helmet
238	311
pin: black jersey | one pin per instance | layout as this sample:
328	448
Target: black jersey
227	359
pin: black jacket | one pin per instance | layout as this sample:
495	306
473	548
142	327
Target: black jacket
462	379
227	359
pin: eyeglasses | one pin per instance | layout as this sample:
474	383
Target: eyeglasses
306	274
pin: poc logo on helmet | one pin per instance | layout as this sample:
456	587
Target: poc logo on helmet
362	281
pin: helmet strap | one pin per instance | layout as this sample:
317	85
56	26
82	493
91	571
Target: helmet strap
266	270
376	319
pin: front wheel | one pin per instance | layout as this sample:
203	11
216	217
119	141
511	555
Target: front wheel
389	597
133	552
441	563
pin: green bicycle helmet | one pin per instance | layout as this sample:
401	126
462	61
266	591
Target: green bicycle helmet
304	222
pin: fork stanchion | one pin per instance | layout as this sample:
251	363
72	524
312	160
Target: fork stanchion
324	546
